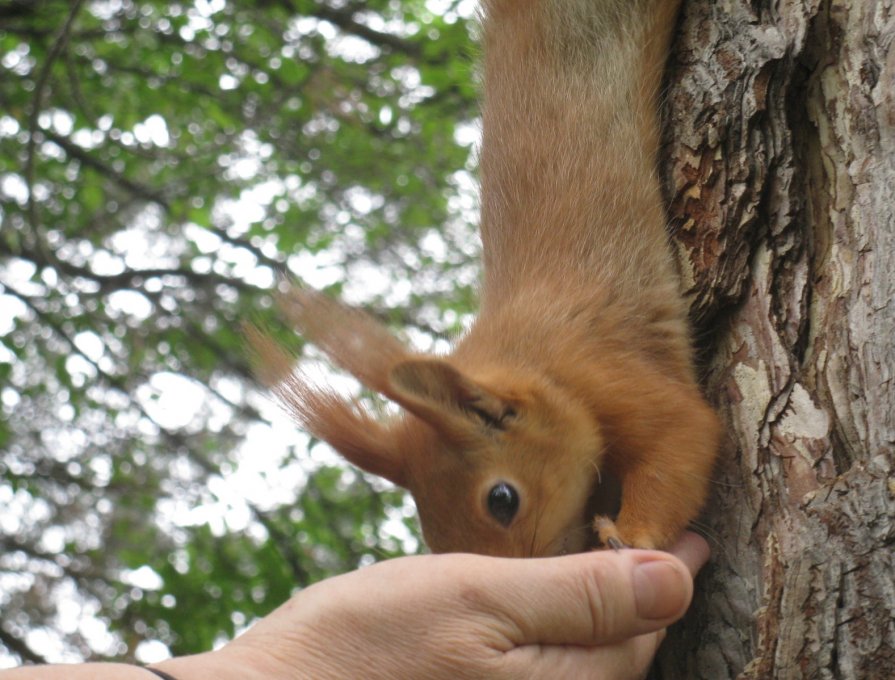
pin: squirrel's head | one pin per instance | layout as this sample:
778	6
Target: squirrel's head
498	463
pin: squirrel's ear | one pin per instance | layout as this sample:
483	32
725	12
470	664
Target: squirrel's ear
442	396
358	437
341	423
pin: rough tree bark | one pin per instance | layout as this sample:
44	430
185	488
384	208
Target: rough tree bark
780	169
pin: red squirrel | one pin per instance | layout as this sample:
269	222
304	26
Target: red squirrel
579	363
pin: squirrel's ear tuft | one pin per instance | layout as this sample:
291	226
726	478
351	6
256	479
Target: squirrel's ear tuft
351	338
344	425
441	395
341	423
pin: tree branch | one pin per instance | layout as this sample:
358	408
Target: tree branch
19	647
344	19
36	107
81	154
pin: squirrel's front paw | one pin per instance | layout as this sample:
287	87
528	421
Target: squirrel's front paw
610	536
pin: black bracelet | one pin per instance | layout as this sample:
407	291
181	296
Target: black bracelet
161	674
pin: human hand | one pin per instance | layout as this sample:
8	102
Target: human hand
593	615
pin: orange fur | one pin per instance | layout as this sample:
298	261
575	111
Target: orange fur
579	362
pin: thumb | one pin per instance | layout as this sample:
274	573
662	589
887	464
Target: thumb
589	599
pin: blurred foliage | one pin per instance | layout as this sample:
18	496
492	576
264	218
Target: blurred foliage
161	163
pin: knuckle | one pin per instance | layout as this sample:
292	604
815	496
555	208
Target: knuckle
598	603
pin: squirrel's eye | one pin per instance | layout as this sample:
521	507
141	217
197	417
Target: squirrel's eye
503	503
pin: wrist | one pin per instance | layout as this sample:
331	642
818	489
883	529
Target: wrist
254	656
221	664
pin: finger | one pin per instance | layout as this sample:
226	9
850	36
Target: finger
693	550
627	659
630	659
589	599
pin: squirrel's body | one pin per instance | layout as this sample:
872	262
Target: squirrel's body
579	361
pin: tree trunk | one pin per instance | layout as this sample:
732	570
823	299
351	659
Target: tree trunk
780	169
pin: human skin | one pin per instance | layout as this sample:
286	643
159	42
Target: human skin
454	616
